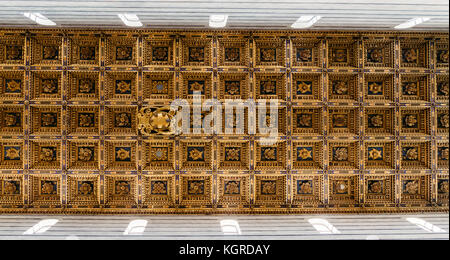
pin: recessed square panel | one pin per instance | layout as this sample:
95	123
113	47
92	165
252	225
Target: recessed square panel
11	119
442	121
159	190
46	155
83	85
307	155
12	50
270	190
414	88
234	190
159	155
121	191
307	87
442	54
46	120
121	86
379	189
11	154
84	51
415	155
414	54
342	53
443	190
270	86
342	87
196	190
11	189
121	51
415	188
120	155
121	120
83	190
196	82
158	52
306	53
270	156
12	84
442	154
233	155
343	155
233	52
46	51
307	190
83	155
343	189
415	121
343	121
442	90
379	121
46	85
45	190
379	87
196	52
83	120
234	86
379	54
379	155
159	86
196	155
270	53
307	121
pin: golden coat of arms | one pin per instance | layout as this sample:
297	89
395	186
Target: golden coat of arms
154	120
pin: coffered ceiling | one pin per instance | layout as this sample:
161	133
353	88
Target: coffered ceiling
247	14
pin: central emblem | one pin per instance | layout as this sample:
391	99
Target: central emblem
152	120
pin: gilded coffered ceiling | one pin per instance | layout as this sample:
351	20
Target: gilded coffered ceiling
363	122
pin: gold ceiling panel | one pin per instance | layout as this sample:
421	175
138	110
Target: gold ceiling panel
363	122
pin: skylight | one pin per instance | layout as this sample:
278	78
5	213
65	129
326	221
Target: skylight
230	227
218	21
323	226
136	227
413	22
39	19
41	227
305	21
130	20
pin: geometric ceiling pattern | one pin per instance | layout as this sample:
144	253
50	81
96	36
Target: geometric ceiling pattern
363	122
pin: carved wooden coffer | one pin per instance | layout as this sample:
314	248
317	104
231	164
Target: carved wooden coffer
86	122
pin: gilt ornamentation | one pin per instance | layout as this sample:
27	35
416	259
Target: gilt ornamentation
410	153
375	88
160	53
48	154
340	154
13	52
85	154
411	187
50	52
304	55
196	187
155	121
410	55
122	188
124	53
13	86
232	188
232	54
340	87
268	187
